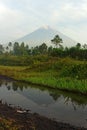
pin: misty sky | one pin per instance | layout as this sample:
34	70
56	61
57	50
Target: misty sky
19	17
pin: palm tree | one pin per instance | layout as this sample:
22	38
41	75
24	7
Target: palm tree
57	40
9	46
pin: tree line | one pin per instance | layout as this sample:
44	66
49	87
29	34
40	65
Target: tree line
78	51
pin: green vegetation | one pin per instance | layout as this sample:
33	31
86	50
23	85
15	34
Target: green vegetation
65	73
59	68
57	40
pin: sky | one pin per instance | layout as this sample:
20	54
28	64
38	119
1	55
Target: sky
21	17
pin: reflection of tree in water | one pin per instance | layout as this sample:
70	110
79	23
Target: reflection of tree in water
75	99
15	86
69	97
1	82
54	94
19	85
6	83
9	87
82	102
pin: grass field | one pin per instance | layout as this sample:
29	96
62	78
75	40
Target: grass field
64	74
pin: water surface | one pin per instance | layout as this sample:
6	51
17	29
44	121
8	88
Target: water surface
61	106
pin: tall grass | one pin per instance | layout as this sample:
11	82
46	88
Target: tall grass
60	83
65	74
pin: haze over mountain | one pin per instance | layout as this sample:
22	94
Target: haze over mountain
44	35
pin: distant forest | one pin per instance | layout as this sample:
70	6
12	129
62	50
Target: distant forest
78	52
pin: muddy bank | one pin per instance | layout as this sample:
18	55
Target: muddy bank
25	120
4	77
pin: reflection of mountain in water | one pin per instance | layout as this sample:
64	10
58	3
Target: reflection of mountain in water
41	95
60	105
37	96
76	99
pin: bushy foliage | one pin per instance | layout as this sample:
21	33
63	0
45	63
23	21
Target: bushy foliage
76	71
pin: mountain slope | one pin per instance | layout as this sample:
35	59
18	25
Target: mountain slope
45	34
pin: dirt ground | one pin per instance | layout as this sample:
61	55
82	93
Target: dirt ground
18	119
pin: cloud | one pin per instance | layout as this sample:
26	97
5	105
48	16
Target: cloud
9	21
70	13
18	18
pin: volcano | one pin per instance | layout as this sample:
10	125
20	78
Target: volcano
44	35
